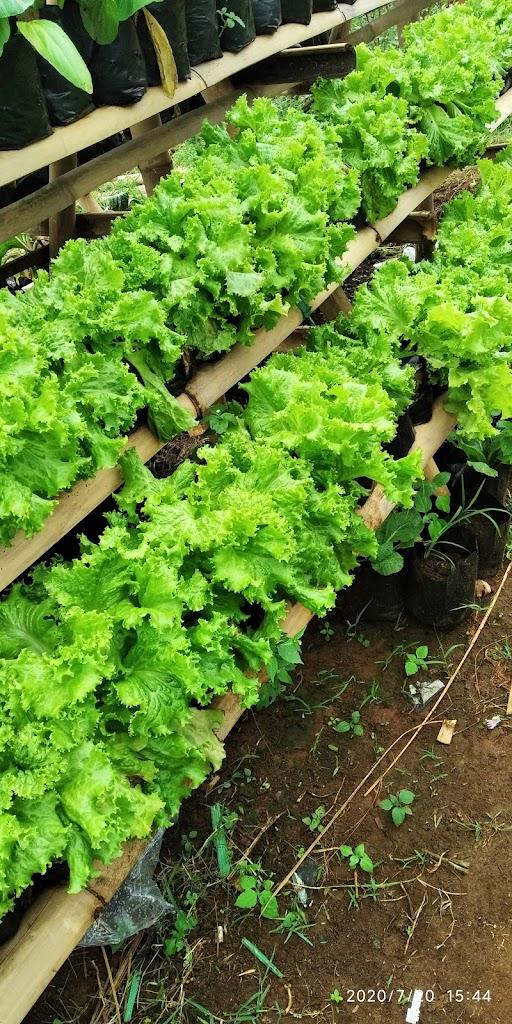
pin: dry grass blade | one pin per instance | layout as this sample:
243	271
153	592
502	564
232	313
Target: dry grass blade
112	986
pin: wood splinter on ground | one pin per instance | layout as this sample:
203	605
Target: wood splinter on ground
445	734
509	702
482	589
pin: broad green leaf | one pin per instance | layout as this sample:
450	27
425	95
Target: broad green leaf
366	864
422	652
359	849
248	882
483	468
128	7
398	815
354	861
405	796
269	905
411	666
52	43
12	8
358	730
386	804
346	851
5	31
388	563
101	19
246	899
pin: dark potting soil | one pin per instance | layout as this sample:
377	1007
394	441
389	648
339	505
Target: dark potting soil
437	568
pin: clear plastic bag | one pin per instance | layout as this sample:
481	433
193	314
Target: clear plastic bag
137	904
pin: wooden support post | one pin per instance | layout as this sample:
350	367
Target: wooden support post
62	225
335	304
157	166
425	248
219	91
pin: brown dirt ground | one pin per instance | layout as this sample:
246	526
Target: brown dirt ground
431	926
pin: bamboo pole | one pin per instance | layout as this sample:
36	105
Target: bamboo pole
155	167
62	224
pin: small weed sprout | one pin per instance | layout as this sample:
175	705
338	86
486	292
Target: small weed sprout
353	726
357	858
416	660
314	820
256	891
398	805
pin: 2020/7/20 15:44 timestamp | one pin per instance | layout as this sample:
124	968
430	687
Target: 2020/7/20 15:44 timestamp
461	995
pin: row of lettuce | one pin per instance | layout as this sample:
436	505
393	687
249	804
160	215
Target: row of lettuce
248	228
108	663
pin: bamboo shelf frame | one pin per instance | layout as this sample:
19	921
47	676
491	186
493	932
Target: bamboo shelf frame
106	121
151	140
57	921
211	382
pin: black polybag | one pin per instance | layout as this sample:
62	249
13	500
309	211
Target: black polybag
203	31
66	103
267	16
23	113
234	39
171	15
118	70
298	11
323	5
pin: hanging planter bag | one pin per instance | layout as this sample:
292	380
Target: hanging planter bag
118	70
23	113
323	5
440	590
171	15
202	31
298	11
64	101
234	39
267	16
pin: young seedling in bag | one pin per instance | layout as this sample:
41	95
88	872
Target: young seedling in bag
357	858
398	805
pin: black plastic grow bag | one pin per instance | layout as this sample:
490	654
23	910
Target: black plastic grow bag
440	589
66	103
234	39
118	69
23	113
202	31
171	15
267	16
299	11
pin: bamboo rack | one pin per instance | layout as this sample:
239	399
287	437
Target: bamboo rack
57	921
211	382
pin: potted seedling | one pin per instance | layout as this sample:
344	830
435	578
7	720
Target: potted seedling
378	590
444	563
